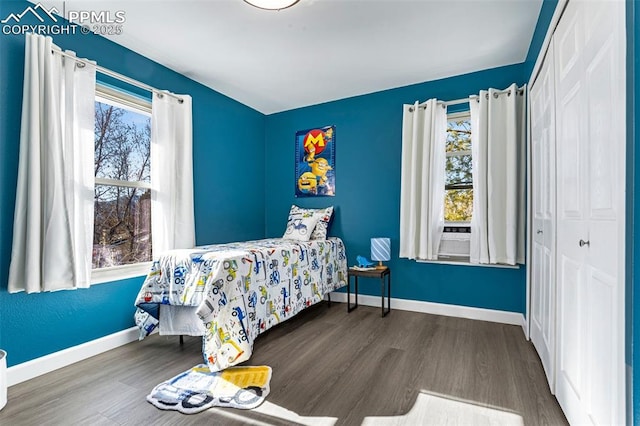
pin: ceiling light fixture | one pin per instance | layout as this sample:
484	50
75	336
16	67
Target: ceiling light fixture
272	4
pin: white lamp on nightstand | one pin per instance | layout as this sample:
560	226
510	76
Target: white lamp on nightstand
381	251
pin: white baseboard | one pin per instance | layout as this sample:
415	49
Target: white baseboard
39	366
504	317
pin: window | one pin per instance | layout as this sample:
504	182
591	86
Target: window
122	207
458	199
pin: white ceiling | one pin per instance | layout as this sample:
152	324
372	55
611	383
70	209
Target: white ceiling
321	50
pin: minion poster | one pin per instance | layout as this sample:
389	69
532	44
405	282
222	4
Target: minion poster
316	162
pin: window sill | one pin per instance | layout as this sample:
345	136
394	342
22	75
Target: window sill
116	273
465	262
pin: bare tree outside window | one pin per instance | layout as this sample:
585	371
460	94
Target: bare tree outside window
458	202
122	209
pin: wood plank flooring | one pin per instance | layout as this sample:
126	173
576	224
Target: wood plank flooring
329	368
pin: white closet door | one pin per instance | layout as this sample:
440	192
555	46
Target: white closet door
590	76
543	154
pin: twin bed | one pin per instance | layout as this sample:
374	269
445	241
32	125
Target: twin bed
230	293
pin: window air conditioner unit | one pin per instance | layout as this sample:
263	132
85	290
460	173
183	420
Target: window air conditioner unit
454	245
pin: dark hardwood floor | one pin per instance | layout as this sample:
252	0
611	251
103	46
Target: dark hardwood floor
329	367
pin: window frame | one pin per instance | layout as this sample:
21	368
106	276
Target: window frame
120	99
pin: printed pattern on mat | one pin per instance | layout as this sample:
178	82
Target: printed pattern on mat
198	389
241	289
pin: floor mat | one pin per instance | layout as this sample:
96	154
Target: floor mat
198	389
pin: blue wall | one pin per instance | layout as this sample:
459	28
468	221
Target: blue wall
546	13
228	148
368	152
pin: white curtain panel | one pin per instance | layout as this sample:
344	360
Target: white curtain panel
172	215
53	220
498	161
424	133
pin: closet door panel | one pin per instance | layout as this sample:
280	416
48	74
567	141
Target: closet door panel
570	368
604	77
589	43
543	293
603	153
537	296
602	345
548	306
572	374
572	193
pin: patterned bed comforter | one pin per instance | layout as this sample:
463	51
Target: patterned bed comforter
241	289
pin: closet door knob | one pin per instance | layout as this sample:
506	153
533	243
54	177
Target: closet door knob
583	243
539	231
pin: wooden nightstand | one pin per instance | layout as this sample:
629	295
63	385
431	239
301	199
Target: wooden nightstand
375	273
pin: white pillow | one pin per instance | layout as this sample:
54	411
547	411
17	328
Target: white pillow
300	227
323	215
